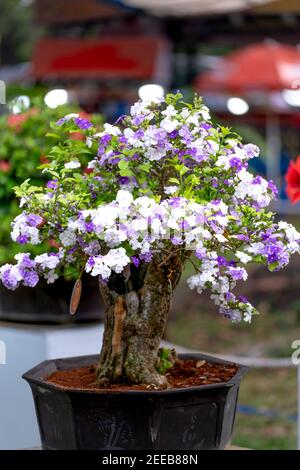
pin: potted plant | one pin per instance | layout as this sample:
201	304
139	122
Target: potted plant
163	187
26	139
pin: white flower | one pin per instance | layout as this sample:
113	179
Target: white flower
170	111
51	276
115	260
243	257
170	189
124	198
130	136
112	130
23	201
220	238
291	233
89	142
154	154
71	116
67	238
72	164
47	261
223	160
169	125
204	111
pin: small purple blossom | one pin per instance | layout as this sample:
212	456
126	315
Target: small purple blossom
236	163
52	184
9	278
147	257
251	150
34	220
22	239
89	227
135	261
105	139
82	123
273	188
30	278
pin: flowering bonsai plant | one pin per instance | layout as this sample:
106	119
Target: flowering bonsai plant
163	187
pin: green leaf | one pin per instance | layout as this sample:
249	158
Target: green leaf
174	180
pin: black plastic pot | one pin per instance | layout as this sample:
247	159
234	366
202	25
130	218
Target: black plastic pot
193	418
49	303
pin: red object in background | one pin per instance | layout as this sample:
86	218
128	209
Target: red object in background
5	166
134	57
265	66
16	120
293	181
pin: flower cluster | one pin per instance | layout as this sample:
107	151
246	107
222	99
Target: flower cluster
161	180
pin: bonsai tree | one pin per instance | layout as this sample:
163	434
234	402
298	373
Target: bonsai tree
163	187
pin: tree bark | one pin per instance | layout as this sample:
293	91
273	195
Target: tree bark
135	318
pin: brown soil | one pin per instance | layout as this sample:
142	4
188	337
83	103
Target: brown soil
183	374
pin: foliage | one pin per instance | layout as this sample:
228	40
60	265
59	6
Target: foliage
24	145
163	179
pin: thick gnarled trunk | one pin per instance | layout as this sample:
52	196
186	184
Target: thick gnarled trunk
135	319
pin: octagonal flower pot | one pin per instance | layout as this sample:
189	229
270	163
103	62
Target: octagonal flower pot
192	418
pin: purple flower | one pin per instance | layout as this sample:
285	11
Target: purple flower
175	202
52	184
90	262
242	237
273	188
82	123
251	150
30	278
222	261
205	126
236	163
9	278
173	134
89	227
123	180
120	118
22	239
137	120
146	256
34	220
135	261
243	299
105	139
200	253
237	273
229	296
26	262
257	180
61	121
214	182
177	240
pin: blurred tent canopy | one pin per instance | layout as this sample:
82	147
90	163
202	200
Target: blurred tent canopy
268	66
190	7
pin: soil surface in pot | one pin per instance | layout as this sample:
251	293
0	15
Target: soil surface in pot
188	373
